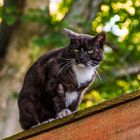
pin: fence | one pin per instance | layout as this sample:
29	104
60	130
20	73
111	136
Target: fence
117	119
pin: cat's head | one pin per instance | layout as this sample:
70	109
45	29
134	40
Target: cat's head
85	50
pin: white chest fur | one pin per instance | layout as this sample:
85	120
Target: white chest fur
70	97
83	74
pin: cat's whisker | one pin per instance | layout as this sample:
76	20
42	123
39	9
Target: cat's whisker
62	63
70	64
67	66
95	64
62	68
99	76
89	65
92	64
105	67
63	58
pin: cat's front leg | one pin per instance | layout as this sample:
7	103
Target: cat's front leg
74	106
60	103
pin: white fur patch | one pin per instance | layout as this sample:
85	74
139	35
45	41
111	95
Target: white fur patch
83	74
63	113
81	65
70	97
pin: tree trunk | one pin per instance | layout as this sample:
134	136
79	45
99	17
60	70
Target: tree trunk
5	29
17	60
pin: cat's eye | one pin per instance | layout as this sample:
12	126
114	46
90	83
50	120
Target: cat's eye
76	50
90	51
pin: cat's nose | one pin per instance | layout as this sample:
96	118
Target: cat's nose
81	60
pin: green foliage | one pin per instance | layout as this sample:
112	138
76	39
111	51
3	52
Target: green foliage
65	5
14	94
9	14
39	16
55	38
121	52
128	45
125	54
129	14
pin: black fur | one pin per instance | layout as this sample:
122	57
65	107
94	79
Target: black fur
43	93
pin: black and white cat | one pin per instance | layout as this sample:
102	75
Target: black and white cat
55	84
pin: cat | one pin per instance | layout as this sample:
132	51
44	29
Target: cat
55	84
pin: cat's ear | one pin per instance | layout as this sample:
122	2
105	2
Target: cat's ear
100	39
71	34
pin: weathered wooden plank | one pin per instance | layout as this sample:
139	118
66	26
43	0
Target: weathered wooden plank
87	120
119	123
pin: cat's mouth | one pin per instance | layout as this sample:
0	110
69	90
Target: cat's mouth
81	65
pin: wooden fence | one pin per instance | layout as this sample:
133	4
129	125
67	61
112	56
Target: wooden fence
117	119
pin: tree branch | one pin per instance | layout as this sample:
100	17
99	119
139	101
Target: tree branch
5	29
114	47
80	15
131	70
110	76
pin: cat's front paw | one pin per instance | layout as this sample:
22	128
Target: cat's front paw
64	113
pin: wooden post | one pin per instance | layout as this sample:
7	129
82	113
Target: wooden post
117	119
